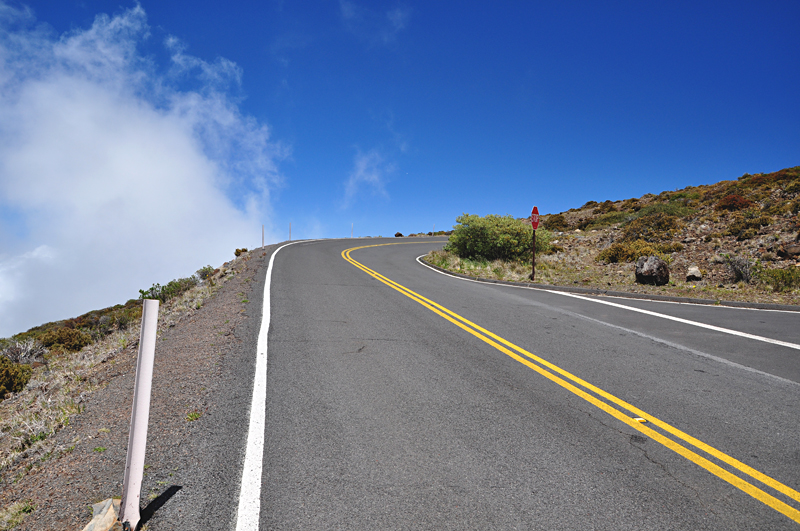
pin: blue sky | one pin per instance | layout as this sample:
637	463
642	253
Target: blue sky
142	141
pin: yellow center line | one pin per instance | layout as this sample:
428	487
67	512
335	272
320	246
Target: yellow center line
541	367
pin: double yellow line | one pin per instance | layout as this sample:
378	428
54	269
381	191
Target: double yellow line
593	395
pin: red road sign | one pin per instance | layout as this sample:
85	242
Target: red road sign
535	218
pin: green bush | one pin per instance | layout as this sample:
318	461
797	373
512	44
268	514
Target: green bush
631	204
747	223
781	279
204	272
174	288
653	227
627	251
605	207
13	376
68	338
495	238
792	188
240	252
608	219
555	222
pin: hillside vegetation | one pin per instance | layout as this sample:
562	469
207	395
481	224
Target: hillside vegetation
48	372
741	235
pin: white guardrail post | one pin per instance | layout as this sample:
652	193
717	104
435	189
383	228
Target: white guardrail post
137	439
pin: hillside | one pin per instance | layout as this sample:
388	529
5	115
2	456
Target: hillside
63	433
744	227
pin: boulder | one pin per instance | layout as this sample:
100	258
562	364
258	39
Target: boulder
789	251
693	274
105	516
398	234
652	270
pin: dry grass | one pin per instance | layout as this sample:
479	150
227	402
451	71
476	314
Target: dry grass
12	516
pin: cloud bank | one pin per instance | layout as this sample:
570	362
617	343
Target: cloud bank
113	175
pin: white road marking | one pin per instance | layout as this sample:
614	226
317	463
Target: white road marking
634	309
250	492
681	320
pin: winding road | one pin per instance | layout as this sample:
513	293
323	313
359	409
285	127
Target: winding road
394	396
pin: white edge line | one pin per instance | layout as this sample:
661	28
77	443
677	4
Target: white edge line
249	511
634	309
681	320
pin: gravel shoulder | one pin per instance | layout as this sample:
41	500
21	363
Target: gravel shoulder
200	400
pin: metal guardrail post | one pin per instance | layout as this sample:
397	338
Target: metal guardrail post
137	439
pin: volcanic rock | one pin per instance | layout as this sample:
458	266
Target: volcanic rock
652	270
693	274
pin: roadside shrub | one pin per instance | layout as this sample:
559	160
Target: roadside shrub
747	223
204	272
13	376
781	279
605	207
240	252
684	196
762	179
555	222
495	237
69	338
672	247
776	208
792	188
626	251
631	204
741	268
653	227
733	202
174	288
632	251
608	219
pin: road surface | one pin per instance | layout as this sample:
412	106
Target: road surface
397	397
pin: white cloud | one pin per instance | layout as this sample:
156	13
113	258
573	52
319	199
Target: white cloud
112	177
398	18
373	26
370	171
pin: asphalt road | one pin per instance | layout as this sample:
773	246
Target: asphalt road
382	413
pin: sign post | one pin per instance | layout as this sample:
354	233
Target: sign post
535	225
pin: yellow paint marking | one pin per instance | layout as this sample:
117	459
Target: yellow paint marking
506	347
